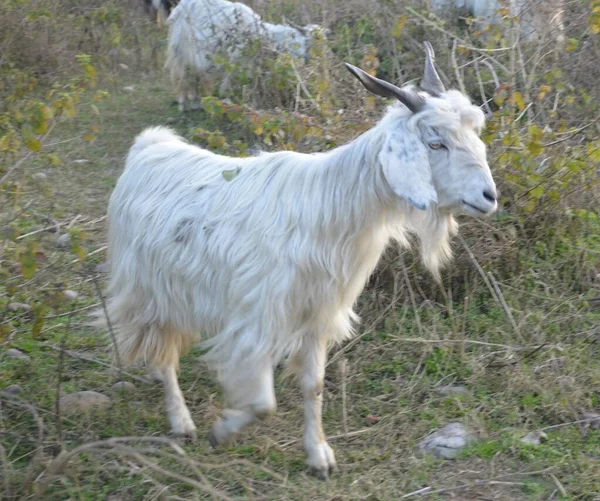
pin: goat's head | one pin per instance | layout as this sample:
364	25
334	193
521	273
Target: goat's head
431	152
303	37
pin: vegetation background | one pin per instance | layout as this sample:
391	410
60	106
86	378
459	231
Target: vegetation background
509	344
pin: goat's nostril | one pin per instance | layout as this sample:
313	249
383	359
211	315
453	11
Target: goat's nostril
490	196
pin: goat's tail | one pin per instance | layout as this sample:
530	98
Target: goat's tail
134	341
149	137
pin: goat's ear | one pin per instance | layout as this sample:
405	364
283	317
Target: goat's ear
405	165
411	100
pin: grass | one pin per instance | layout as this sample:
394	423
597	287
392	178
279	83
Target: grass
537	370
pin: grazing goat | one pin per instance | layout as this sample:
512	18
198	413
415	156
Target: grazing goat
266	267
537	18
201	30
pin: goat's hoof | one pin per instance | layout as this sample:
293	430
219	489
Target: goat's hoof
188	437
321	461
212	440
320	473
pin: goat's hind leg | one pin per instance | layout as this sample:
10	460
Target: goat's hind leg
165	346
193	94
249	396
182	90
178	412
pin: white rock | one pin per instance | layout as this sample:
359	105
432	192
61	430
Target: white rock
13	389
129	88
102	268
40	176
16	354
81	161
70	295
448	442
453	389
64	241
535	438
122	387
83	401
594	419
18	307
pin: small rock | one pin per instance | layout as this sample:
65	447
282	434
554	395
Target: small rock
102	268
453	389
81	161
129	88
70	295
594	419
16	354
83	401
535	438
40	176
13	389
122	387
123	66
64	241
448	442
18	307
171	120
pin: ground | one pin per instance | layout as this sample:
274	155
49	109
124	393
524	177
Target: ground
536	369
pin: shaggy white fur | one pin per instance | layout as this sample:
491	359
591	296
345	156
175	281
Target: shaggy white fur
267	267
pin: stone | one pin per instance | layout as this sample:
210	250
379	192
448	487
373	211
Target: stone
70	295
16	354
18	307
13	389
81	161
40	176
453	389
83	401
536	438
64	241
122	387
102	268
594	418
448	442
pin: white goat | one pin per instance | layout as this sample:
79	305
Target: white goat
200	30
537	18
267	267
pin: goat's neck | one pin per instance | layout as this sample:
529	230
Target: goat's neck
359	194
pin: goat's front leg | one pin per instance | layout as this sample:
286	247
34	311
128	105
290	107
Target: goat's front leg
249	395
311	373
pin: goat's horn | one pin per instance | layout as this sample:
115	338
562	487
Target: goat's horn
295	26
411	100
431	82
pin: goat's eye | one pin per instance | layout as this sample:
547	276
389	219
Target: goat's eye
436	145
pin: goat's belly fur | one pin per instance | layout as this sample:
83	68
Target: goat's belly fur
194	256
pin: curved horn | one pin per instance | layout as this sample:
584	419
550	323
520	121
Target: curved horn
411	100
301	29
431	82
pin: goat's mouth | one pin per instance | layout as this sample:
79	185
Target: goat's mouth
477	209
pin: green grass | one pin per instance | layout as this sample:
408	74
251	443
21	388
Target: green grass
393	373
